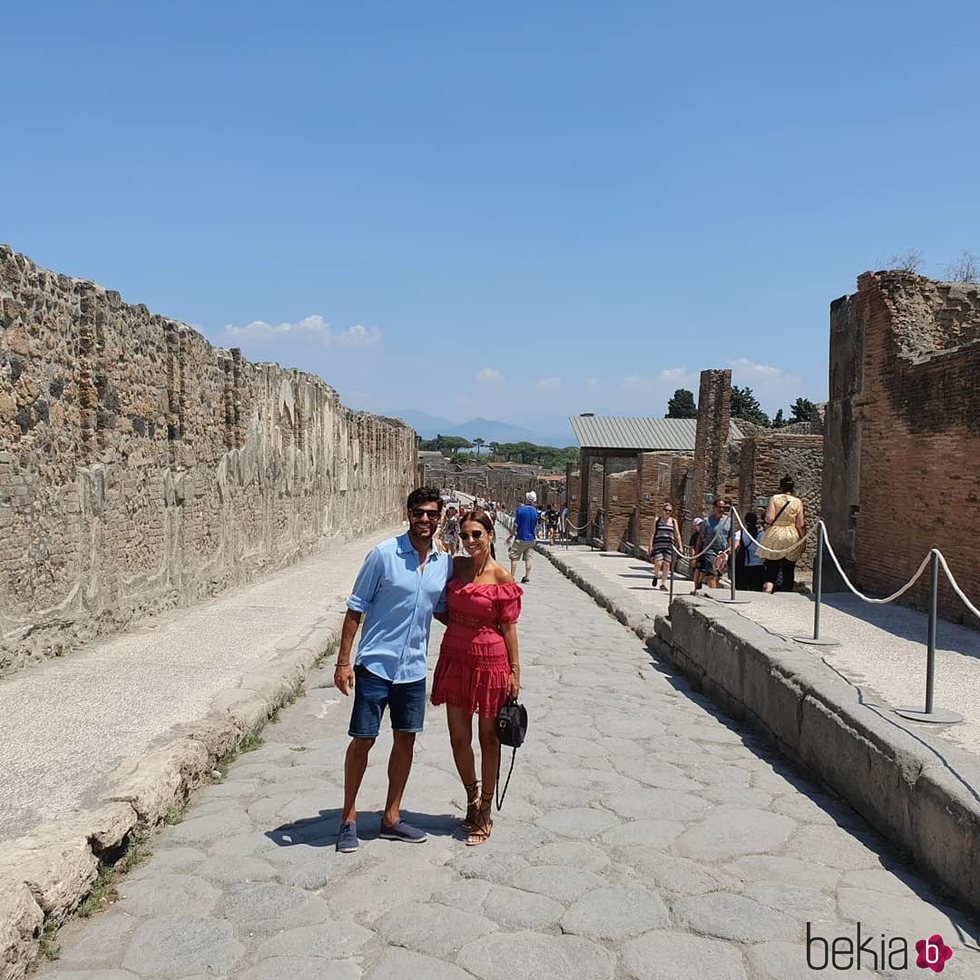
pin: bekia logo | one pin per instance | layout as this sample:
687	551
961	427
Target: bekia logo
865	951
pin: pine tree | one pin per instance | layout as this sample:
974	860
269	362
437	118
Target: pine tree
681	405
746	406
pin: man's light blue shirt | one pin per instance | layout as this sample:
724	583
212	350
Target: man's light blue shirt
398	599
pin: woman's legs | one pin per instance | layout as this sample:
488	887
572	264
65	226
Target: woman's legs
489	749
770	575
460	723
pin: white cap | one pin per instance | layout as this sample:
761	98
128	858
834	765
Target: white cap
531	496
698	520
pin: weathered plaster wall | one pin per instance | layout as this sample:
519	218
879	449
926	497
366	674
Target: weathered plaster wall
141	468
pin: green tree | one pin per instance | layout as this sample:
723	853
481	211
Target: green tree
478	442
778	420
746	406
803	410
681	405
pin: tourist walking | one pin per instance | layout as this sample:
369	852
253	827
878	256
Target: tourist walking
399	588
447	537
749	567
666	537
479	665
522	535
551	518
713	542
785	528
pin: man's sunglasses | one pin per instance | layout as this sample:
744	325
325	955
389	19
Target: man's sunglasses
419	514
475	535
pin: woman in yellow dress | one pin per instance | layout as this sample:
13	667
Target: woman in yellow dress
785	527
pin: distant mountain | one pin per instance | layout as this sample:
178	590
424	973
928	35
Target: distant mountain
489	430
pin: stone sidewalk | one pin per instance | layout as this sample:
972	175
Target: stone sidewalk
882	649
643	836
67	724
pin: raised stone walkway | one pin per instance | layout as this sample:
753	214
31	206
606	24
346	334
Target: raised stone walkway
67	724
643	836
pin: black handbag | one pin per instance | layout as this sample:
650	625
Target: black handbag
511	731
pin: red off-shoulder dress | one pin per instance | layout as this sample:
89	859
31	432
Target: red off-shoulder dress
473	671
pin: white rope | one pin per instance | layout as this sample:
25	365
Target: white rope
878	602
955	585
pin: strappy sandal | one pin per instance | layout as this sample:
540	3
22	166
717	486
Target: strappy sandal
480	831
472	804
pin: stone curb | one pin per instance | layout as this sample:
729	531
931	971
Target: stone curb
46	875
918	791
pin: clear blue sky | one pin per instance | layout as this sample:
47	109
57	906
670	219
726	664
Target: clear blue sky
520	211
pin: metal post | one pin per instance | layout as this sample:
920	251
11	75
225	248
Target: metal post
673	562
931	632
817	639
732	599
937	716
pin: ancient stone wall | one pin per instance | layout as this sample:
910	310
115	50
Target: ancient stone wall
141	468
910	416
661	478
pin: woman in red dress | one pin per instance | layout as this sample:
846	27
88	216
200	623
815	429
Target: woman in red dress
479	666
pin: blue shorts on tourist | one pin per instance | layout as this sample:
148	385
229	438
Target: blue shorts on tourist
372	694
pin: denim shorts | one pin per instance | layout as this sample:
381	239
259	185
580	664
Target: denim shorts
372	694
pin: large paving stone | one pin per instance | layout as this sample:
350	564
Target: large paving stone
665	955
765	867
735	917
613	914
644	833
59	973
214	827
399	964
800	901
514	909
264	906
436	930
181	945
832	847
367	895
96	941
572	854
294	967
729	831
787	961
532	956
900	914
655	804
561	884
333	940
163	893
580	823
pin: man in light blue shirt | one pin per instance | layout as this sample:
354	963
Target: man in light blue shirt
399	588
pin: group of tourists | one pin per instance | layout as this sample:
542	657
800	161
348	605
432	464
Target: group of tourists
766	566
403	584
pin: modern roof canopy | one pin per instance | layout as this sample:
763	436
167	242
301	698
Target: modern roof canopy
638	434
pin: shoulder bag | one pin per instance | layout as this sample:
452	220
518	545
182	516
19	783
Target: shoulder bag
511	731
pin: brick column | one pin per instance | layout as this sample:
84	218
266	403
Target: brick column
711	439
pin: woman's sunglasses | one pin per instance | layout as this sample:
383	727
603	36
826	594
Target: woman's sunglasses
475	535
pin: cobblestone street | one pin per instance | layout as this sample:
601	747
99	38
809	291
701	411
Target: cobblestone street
643	836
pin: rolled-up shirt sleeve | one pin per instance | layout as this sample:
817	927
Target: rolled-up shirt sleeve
368	580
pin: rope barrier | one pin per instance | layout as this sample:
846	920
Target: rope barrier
955	585
718	534
775	551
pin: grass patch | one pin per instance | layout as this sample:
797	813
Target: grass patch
251	742
48	947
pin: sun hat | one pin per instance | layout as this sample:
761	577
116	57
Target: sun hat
531	496
698	520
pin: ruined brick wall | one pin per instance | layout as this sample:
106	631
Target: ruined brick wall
711	461
768	455
661	478
620	493
141	468
573	481
918	415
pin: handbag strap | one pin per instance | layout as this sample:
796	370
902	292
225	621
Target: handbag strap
500	796
781	509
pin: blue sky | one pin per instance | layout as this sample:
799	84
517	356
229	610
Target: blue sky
516	211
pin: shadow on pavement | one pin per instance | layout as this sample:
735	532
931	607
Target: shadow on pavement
322	830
